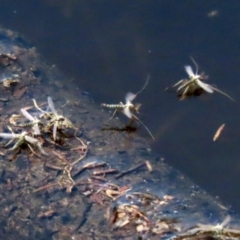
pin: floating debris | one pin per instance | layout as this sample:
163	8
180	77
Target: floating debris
213	13
218	132
9	79
13	119
149	166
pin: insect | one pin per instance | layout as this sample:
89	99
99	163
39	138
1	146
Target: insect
129	109
57	121
45	114
194	84
214	230
34	122
21	139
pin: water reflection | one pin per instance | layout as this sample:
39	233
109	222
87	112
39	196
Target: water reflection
108	49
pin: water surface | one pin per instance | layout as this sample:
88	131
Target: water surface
108	48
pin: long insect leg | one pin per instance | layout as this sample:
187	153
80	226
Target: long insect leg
40	148
195	63
9	142
37	107
115	111
175	85
10	129
33	150
146	83
17	144
179	82
183	95
144	126
184	85
223	93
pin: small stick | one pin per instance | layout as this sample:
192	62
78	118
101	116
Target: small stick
59	156
89	166
103	172
45	187
130	170
99	178
48	165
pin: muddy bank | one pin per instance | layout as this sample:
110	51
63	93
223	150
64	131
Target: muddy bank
94	183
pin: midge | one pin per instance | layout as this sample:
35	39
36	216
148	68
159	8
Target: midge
129	109
194	84
21	139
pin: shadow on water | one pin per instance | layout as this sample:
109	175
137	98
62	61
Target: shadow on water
109	49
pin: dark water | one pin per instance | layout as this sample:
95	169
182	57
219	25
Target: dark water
108	48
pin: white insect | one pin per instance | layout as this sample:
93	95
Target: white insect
34	122
219	229
21	139
128	109
194	82
58	121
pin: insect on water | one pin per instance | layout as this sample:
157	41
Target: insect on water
194	83
220	230
34	122
129	109
56	120
22	138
